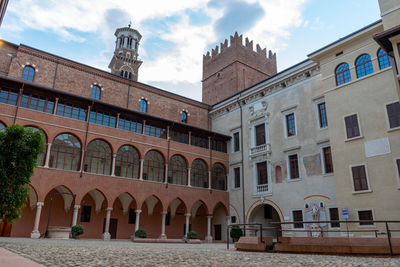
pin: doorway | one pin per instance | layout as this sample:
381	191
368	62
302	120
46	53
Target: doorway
113	227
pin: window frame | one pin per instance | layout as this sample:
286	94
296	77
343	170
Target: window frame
387	116
94	89
255	134
27	77
329	212
234	168
361	69
288	177
343	73
302	219
184	116
255	177
143	108
324	173
234	141
373	217
397	171
287	121
358	124
368	190
383	56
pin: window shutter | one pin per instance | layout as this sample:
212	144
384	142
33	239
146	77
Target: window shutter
393	111
356	179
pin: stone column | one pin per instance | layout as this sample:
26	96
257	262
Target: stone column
141	169
164	215
188	182
47	161
106	234
137	219
75	214
113	165
35	233
187	215
166	174
209	237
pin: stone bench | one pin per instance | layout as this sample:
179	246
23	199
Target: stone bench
253	243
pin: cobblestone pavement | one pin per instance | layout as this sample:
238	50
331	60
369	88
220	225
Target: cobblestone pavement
125	253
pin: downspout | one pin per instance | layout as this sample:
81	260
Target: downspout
55	73
86	137
21	90
242	152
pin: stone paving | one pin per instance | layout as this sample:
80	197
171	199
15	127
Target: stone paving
125	253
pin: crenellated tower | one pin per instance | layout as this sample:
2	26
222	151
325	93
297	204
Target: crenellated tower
232	68
125	61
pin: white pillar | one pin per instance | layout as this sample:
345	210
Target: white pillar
35	233
137	219
209	237
187	215
166	174
106	234
75	214
164	216
113	165
141	169
209	179
47	161
188	183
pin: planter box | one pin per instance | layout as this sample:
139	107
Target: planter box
59	232
193	241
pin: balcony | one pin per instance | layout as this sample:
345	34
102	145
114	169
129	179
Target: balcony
262	188
261	149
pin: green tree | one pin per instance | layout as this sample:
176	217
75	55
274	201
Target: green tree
19	151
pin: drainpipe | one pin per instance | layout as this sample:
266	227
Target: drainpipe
242	152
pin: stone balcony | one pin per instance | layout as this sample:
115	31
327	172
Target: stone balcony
262	188
261	149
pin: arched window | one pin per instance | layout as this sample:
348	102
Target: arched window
218	177
342	74
127	162
199	174
122	73
41	157
143	105
28	74
184	117
65	152
364	65
96	91
98	157
384	59
2	127
153	166
177	170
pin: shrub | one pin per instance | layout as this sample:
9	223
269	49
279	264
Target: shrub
141	233
77	230
236	233
192	235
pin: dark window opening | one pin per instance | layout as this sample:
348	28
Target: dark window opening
352	129
366	217
290	125
85	213
323	121
294	166
298	217
334	216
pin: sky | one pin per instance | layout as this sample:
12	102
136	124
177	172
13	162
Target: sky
176	33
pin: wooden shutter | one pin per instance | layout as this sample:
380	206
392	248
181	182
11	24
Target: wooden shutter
359	178
352	126
262	173
393	111
260	134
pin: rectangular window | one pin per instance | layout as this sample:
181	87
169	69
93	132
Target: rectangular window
218	146
298	217
236	172
359	178
168	219
132	216
71	111
199	141
293	167
334	216
352	129
262	174
85	213
102	118
38	103
130	125
155	131
8	96
366	217
236	142
290	125
393	111
323	121
260	134
233	219
327	159
179	137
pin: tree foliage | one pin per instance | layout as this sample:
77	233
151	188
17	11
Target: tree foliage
19	151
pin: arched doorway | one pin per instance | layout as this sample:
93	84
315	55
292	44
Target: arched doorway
265	214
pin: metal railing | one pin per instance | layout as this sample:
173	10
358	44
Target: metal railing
278	231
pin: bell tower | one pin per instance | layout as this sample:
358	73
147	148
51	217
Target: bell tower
125	61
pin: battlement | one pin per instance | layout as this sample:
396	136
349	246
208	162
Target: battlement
236	42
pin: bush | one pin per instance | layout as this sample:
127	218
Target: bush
77	230
192	235
236	233
141	233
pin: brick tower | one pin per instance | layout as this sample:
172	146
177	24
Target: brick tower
233	68
125	61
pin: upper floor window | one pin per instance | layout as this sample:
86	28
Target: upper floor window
96	92
8	96
236	180
384	59
327	160
323	121
365	217
342	74
393	111
260	134
293	167
352	127
28	74
143	105
236	142
37	103
290	125
360	181
184	116
364	65
298	217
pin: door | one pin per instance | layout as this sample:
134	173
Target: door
113	227
217	232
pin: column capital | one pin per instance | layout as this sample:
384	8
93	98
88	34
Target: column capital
188	214
77	206
39	204
164	212
141	159
114	155
109	209
209	216
138	211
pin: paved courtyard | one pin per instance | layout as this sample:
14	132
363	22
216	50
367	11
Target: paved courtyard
125	253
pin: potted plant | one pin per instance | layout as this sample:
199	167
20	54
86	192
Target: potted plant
76	231
141	233
236	233
192	235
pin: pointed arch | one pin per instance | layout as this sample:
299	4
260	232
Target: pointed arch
150	202
199	173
